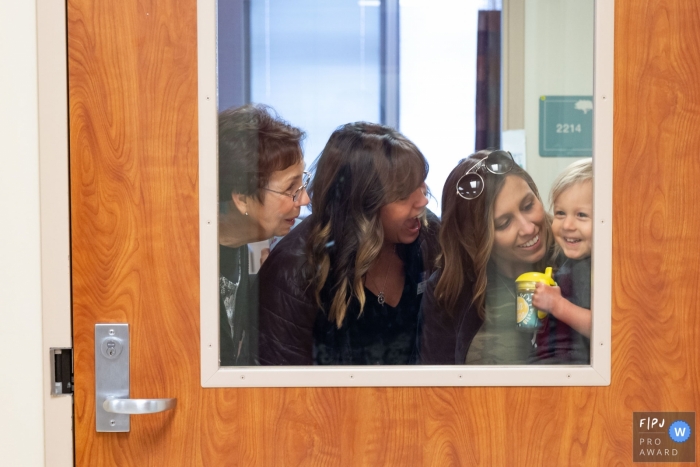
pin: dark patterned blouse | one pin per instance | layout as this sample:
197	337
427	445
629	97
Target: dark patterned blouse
382	335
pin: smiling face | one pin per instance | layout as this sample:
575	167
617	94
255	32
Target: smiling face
401	219
275	213
572	225
520	229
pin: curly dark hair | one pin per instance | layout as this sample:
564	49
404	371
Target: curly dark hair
363	167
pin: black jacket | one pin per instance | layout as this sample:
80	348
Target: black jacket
444	338
288	309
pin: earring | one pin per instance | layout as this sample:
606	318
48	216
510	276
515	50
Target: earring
246	213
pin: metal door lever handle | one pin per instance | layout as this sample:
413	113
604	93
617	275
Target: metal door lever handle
138	406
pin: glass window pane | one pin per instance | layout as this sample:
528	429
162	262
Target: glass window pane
316	62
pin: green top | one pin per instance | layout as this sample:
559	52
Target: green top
499	341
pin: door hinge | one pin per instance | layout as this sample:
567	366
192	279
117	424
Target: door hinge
61	371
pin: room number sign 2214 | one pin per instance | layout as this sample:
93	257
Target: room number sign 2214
568	128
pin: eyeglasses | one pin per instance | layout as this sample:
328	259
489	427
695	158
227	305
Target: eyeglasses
471	184
295	196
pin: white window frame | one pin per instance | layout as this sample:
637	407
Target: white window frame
595	374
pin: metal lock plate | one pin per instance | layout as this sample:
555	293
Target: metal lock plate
111	374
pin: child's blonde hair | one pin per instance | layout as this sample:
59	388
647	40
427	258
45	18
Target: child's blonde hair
578	172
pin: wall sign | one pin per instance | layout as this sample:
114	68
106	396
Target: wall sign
566	126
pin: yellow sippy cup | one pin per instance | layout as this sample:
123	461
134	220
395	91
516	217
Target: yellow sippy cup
526	316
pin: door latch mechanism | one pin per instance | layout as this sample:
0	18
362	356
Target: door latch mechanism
61	371
113	407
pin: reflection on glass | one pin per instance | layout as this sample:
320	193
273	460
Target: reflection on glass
371	273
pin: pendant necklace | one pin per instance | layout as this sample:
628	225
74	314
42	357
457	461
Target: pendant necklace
380	297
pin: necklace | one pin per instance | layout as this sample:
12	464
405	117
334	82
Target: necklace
380	297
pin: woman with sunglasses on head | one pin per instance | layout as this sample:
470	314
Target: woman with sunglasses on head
261	190
345	286
494	228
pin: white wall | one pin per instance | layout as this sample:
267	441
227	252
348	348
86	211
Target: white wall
21	392
558	61
438	84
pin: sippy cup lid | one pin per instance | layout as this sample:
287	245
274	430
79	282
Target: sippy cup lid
545	277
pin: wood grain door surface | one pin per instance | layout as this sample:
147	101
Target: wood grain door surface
134	214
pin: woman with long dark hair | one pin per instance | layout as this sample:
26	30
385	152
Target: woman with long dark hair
345	286
494	228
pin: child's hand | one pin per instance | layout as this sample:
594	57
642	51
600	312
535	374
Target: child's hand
546	298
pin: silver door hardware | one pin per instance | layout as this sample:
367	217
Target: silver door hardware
113	407
61	371
138	406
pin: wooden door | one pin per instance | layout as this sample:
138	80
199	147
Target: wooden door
133	142
134	212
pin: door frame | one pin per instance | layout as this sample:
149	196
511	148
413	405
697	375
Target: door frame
52	71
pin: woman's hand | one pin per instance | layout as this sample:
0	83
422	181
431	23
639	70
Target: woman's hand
547	298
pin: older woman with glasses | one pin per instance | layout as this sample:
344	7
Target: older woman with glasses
494	228
344	288
261	190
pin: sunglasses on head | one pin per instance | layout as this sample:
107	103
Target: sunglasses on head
471	184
